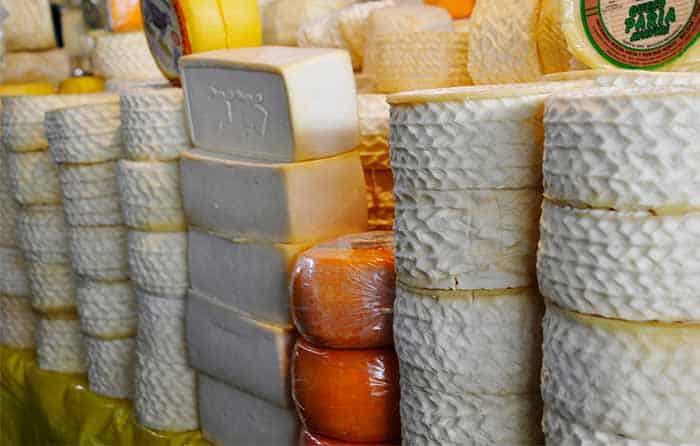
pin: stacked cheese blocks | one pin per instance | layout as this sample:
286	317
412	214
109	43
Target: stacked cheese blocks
272	173
124	57
85	144
466	164
344	364
154	135
617	262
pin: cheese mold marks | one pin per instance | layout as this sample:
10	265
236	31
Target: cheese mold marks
271	103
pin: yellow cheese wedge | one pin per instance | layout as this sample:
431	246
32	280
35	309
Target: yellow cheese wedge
82	85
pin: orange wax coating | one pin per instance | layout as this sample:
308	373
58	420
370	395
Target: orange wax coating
126	15
458	9
309	439
348	395
342	292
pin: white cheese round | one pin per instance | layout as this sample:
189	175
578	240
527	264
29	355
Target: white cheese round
60	346
100	252
42	234
111	366
52	286
162	328
34	178
8	219
17	322
89	180
13	275
107	309
158	262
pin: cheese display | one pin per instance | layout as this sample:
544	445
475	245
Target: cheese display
178	28
46	66
354	28
60	345
273	102
551	43
42	234
107	309
226	343
34	178
380	199
275	197
309	439
250	276
161	323
82	85
17	322
283	18
150	195
330	387
13	275
29	25
220	409
342	292
158	262
52	287
588	163
99	252
124	56
627	78
110	366
373	119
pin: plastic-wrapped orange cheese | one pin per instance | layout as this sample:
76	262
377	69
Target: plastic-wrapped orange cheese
348	395
309	439
342	292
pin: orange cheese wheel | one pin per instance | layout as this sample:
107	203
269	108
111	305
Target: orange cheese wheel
348	395
343	292
458	9
309	439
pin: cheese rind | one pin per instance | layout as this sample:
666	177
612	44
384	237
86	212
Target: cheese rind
34	178
273	102
107	309
373	117
282	18
249	354
29	25
158	262
124	56
85	181
279	203
9	210
105	210
60	346
100	252
111	366
626	78
52	286
13	275
17	322
42	234
51	66
162	328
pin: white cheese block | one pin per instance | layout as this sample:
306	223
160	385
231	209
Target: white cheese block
623	265
105	210
107	309
503	42
34	178
250	276
13	275
17	322
473	342
150	195
29	25
354	27
158	262
232	417
627	78
624	149
373	118
272	101
282	18
111	366
51	66
467	239
280	203
243	352
59	346
162	328
9	210
52	286
80	181
165	395
124	56
100	252
42	234
638	380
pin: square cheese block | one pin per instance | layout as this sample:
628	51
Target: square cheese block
279	203
230	417
253	277
243	352
277	104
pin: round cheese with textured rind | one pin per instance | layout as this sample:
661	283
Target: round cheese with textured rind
13	274
158	262
627	78
162	328
623	265
107	309
79	181
124	56
373	118
466	239
624	149
52	66
100	252
42	234
52	286
9	210
59	346
17	322
110	366
29	25
352	21
165	395
283	18
34	178
150	193
636	379
94	211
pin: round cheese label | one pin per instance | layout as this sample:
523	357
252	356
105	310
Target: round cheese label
641	33
164	34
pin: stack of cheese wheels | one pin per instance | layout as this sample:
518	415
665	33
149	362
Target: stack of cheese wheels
85	144
273	172
342	300
154	135
467	175
124	56
618	263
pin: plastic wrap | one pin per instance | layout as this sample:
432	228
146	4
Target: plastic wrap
308	439
380	199
342	292
349	395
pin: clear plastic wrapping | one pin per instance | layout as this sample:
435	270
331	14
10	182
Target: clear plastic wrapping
342	292
348	395
308	439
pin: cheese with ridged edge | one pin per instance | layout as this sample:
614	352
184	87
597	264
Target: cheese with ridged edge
85	181
124	56
100	252
17	322
158	262
283	18
162	328
107	309
373	118
29	25
13	274
42	234
52	286
59	346
34	178
110	365
52	66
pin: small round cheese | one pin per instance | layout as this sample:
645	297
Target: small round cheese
17	322
107	309
111	366
158	262
100	252
42	234
13	275
162	328
34	178
52	287
60	346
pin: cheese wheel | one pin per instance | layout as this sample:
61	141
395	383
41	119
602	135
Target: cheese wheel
99	252
34	178
181	27
354	27
158	262
84	181
124	56
28	89
627	378
373	118
626	78
503	42
52	287
82	85
110	366
332	387
150	193
13	276
29	25
309	439
59	346
42	234
602	151
107	309
161	328
98	211
457	8
52	66
283	18
17	322
343	292
551	43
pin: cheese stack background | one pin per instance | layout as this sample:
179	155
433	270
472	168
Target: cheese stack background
85	144
617	262
124	57
273	173
344	364
154	135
